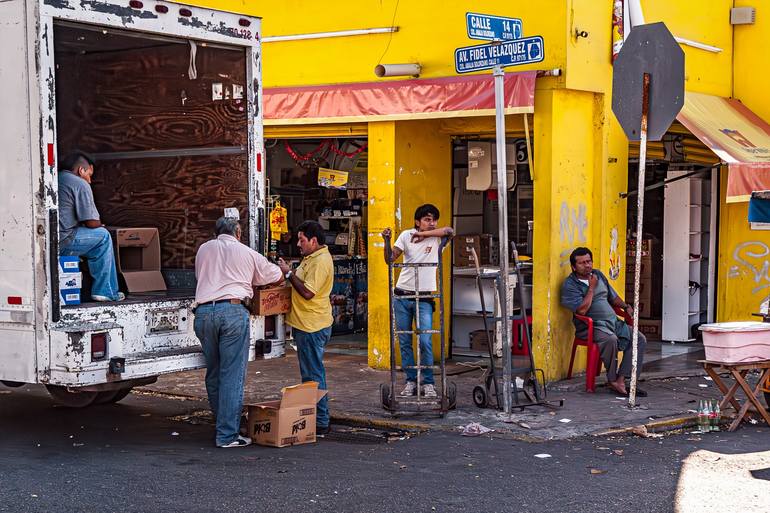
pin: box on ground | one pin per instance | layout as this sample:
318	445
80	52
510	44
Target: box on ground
650	328
271	301
290	421
137	258
736	342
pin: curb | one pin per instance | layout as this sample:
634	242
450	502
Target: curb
656	426
348	419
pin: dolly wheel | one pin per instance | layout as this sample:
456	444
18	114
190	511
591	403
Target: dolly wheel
480	397
385	396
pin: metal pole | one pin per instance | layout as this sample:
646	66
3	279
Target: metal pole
639	234
502	217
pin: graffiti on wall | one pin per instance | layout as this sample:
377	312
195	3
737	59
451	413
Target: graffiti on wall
752	259
573	224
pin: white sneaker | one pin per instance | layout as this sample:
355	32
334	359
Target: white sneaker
410	389
241	441
104	299
429	391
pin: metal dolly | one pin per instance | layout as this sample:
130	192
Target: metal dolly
534	390
447	397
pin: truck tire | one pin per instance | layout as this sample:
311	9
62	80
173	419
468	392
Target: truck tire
71	399
112	396
13	384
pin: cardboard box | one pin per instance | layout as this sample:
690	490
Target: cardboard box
271	301
490	251
650	328
137	258
69	296
648	245
463	247
645	290
70	281
645	309
290	421
69	264
479	340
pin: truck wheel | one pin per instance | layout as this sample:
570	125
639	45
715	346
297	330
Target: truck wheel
112	396
13	384
71	399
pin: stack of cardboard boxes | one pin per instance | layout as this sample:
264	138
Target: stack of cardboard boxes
70	280
485	246
650	285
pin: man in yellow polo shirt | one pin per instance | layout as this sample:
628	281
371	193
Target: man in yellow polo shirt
311	311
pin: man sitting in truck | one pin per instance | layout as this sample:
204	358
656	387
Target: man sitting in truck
81	232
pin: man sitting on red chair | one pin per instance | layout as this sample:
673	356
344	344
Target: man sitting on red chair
587	292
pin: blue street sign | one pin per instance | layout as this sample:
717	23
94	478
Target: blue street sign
492	28
509	53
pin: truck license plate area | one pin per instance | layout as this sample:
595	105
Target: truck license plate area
164	321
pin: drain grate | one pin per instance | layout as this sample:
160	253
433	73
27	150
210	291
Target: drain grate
364	436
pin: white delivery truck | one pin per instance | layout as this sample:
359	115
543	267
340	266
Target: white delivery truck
167	99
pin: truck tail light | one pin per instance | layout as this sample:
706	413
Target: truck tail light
14	300
98	346
161	9
185	12
136	4
243	22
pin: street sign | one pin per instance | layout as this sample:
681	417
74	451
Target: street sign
509	53
492	28
653	50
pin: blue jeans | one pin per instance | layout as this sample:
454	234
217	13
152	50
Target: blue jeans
96	245
223	330
310	353
405	314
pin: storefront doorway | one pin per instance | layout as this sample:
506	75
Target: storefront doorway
475	220
325	180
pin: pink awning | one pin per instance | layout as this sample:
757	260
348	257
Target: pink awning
460	96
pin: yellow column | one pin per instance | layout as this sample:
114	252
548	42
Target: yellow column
570	142
381	214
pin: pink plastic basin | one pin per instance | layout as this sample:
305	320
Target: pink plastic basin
736	342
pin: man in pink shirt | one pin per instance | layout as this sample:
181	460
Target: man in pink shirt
226	271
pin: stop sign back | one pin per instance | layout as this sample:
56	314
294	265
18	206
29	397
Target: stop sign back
649	49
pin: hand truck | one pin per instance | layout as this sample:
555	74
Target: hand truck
447	397
533	389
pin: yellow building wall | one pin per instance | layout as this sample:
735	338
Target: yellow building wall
416	170
428	33
744	254
565	158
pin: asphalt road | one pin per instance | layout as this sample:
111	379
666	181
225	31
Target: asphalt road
152	453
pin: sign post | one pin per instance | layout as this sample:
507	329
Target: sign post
508	49
647	94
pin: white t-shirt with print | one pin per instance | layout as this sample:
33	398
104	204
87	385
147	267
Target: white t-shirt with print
423	252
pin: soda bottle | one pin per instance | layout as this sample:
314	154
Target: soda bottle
703	419
712	416
717	416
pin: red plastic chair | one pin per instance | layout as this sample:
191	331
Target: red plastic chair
594	362
519	338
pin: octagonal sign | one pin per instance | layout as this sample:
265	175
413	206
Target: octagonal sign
649	49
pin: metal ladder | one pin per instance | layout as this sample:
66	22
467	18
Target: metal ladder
447	396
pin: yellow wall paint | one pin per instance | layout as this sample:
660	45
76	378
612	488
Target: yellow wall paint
588	58
420	172
706	22
744	263
565	145
381	214
429	31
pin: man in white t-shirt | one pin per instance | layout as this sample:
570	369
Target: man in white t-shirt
418	245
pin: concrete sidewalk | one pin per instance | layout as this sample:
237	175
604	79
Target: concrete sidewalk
354	398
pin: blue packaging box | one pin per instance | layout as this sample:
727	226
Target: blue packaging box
69	264
69	296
